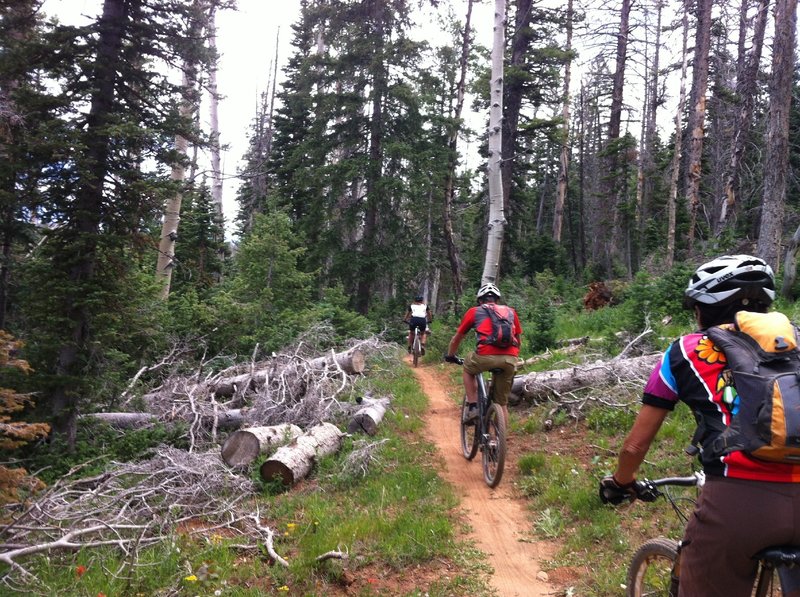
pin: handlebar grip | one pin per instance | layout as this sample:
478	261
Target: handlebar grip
453	359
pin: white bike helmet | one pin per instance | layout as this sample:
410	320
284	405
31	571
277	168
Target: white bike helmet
486	290
729	278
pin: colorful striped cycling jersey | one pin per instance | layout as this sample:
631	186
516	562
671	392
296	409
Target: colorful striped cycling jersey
693	370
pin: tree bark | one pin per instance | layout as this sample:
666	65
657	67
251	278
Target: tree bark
697	116
245	445
563	171
497	221
672	202
747	89
452	143
293	462
213	105
542	385
614	183
777	150
172	209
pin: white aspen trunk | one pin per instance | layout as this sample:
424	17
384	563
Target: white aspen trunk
216	171
676	157
172	210
561	196
497	220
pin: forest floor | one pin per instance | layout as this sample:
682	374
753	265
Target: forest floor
500	520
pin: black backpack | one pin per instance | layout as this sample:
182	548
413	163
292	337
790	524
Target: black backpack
502	318
762	353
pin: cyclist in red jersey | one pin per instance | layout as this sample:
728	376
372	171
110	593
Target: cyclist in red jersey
486	355
747	504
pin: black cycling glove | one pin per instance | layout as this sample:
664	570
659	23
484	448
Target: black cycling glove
615	493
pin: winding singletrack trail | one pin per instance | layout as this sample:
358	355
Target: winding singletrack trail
500	523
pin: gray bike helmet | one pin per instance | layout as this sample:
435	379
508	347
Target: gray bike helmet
486	290
730	278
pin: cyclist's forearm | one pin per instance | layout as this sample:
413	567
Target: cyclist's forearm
637	443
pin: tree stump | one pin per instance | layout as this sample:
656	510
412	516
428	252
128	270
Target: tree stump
367	419
293	462
244	446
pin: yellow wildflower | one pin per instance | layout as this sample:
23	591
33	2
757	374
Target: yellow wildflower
190	578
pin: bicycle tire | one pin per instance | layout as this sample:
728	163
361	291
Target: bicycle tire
469	435
494	450
415	349
650	570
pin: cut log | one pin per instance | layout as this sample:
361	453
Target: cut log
293	462
544	384
244	446
352	362
367	419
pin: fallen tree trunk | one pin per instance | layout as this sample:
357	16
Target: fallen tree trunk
228	419
542	385
244	446
351	362
367	419
293	462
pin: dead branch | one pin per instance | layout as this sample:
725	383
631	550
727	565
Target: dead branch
333	555
132	506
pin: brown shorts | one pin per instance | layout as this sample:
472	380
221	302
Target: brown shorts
734	520
476	363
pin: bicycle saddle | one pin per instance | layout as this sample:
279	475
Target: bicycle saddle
780	555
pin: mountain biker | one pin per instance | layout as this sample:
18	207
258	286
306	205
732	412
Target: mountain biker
418	315
486	356
747	504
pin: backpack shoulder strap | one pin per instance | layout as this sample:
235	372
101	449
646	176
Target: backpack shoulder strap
741	352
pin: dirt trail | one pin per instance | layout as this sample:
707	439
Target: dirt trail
500	522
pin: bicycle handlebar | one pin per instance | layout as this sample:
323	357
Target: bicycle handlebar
647	489
453	359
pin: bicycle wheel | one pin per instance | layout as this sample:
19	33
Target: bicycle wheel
494	450
416	348
650	570
469	435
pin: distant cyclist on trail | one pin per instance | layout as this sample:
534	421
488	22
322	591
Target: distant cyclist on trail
491	352
418	315
747	503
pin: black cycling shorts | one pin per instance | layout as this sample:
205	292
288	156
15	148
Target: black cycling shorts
418	322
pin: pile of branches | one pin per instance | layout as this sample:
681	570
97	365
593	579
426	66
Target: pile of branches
132	506
289	391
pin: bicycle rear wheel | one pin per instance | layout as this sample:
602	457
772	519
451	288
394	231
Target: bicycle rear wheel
494	450
469	435
416	348
650	570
